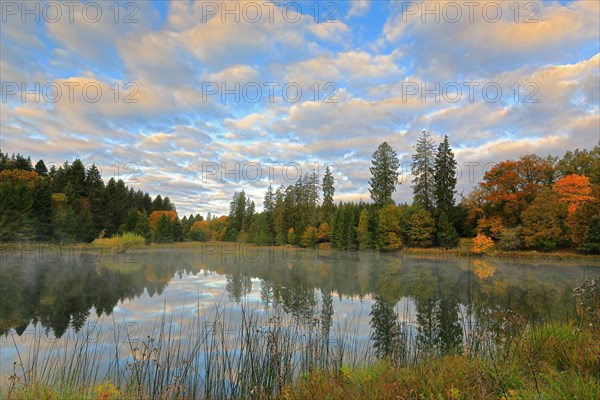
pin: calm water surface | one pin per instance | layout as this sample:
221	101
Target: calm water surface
54	299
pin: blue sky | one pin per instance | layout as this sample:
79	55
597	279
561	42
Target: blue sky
374	59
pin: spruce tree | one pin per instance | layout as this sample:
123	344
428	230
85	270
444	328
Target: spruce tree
328	192
41	169
447	236
95	191
384	174
423	171
444	177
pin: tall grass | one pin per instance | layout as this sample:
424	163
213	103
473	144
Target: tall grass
264	353
208	356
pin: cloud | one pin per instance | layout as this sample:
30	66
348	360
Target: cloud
358	8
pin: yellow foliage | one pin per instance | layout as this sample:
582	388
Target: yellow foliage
481	244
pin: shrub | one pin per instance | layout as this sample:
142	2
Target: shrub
481	244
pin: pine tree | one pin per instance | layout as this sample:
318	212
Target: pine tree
95	191
42	209
444	177
142	227
75	181
384	174
328	192
447	236
41	169
157	204
423	171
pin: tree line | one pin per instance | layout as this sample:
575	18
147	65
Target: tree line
532	203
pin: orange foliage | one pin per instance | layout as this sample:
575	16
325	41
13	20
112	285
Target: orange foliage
155	216
490	226
201	225
481	244
323	232
510	186
573	189
15	176
482	269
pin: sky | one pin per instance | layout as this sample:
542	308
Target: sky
197	100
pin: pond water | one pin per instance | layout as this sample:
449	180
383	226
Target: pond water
355	301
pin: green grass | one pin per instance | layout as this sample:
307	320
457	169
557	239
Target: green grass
548	362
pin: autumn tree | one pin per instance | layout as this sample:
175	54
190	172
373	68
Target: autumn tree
510	186
544	222
421	228
388	235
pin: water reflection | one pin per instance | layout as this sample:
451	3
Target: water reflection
440	297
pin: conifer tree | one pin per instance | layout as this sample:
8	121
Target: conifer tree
444	177
384	174
423	171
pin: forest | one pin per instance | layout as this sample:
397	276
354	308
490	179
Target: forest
538	203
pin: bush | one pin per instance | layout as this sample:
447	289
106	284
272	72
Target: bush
481	244
121	242
511	239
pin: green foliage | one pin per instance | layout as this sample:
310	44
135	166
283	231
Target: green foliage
544	222
581	162
420	228
328	192
591	240
389	237
385	332
384	174
363	236
511	239
164	232
446	233
343	235
423	169
444	175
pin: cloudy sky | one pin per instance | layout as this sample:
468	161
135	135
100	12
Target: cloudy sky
196	100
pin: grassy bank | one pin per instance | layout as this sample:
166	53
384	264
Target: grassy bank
130	243
550	362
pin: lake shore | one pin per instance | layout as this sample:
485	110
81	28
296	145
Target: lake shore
428	253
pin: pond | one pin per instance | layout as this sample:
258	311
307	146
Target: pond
208	314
